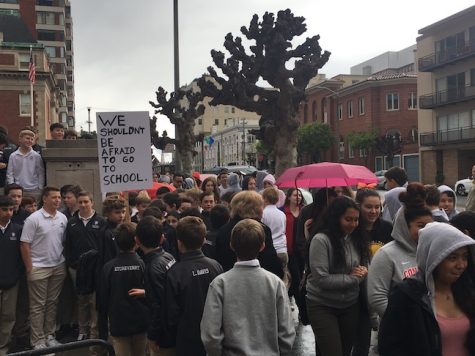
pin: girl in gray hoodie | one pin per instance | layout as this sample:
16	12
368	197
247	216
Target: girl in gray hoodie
396	260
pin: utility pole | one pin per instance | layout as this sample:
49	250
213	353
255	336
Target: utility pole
178	163
89	122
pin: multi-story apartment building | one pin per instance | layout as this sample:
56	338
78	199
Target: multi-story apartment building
50	23
446	85
15	93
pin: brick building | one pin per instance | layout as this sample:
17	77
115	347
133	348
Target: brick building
49	23
384	103
15	97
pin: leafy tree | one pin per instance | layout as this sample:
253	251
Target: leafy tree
389	145
85	135
313	139
182	108
274	59
363	140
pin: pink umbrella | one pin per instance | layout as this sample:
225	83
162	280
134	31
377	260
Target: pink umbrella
325	174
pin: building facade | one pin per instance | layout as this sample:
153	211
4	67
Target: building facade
50	23
446	84
385	105
15	90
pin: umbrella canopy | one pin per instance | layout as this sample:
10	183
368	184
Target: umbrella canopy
152	192
325	174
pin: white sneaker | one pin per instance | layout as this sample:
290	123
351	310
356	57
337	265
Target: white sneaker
51	341
82	337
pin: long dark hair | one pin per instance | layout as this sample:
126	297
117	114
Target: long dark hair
289	194
329	224
320	203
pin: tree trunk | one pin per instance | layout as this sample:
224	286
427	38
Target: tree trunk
186	147
285	149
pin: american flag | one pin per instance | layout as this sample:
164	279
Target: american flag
31	68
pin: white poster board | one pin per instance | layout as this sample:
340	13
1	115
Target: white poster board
123	144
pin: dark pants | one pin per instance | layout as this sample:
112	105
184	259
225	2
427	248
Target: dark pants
334	328
22	323
363	333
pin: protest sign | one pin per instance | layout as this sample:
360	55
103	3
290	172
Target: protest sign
123	144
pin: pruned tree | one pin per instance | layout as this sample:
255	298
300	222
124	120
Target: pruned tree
182	108
313	139
286	69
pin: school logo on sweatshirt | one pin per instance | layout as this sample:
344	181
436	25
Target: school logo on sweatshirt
409	272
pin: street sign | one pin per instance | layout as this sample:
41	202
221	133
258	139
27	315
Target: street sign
123	144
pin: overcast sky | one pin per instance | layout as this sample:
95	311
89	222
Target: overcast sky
123	49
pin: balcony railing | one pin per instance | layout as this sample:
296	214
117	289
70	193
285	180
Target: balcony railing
441	58
445	97
460	135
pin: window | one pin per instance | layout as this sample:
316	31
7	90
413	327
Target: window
361	105
63	117
340	111
9	1
44	35
233	110
45	18
200	121
25	104
472	75
25	61
363	152
10	12
51	51
226	109
349	108
341	150
392	101
412	101
351	151
216	121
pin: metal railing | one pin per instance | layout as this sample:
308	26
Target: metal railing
435	138
69	347
441	58
444	97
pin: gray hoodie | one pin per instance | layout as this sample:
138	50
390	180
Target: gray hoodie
392	203
392	263
329	286
446	188
436	242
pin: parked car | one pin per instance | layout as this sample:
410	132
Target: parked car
463	186
381	179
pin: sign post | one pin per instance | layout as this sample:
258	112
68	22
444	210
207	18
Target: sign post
123	144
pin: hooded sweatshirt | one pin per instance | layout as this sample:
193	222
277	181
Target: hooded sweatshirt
271	179
409	326
260	175
444	189
392	263
233	185
392	203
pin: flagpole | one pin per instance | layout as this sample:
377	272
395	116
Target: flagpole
32	120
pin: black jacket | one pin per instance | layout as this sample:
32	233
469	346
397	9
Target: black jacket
20	216
226	257
11	265
409	327
80	239
186	290
127	315
157	263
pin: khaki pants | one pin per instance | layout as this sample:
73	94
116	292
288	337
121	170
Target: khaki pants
44	286
284	261
8	300
86	310
129	345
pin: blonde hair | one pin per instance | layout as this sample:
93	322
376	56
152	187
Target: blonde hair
26	133
143	198
247	204
271	195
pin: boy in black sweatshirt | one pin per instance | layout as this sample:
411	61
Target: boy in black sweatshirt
128	314
10	270
186	287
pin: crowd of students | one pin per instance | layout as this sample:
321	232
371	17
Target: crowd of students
216	267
